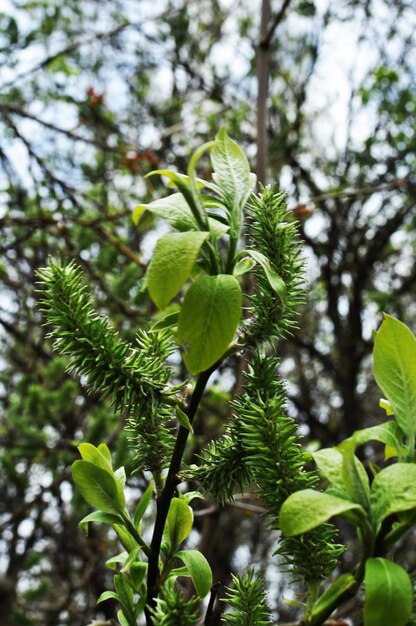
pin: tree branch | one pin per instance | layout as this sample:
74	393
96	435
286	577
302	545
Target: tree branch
163	502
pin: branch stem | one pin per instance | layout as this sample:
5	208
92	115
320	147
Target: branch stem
163	502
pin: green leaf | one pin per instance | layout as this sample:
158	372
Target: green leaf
103	448
307	509
122	619
120	476
144	502
208	320
132	558
125	596
388	593
179	571
168	321
243	266
395	370
393	490
171	265
140	606
183	419
388	433
137	573
178	522
192	495
126	540
95	456
107	595
176	211
117	559
343	584
99	516
99	487
330	463
354	476
231	171
275	281
199	570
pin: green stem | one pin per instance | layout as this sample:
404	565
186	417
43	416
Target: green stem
313	593
215	267
231	255
163	502
136	536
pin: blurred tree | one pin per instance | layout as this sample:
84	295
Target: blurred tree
94	96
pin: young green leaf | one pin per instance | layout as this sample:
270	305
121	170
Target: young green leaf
243	266
107	595
183	419
354	476
103	448
231	171
137	574
199	570
125	597
133	557
116	560
171	265
144	502
122	619
393	490
99	487
126	540
388	593
307	509
179	522
95	456
120	475
395	370
99	516
176	211
275	281
208	320
168	321
330	462
388	433
344	584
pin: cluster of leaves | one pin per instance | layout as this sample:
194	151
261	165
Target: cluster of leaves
201	267
382	511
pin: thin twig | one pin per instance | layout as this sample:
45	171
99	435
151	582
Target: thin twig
163	502
278	18
350	193
67	50
214	592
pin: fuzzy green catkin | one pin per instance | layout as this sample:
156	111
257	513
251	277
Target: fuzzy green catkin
277	465
133	378
172	609
248	601
272	232
221	468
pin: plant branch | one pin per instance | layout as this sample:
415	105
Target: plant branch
211	603
263	71
172	480
136	536
278	18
